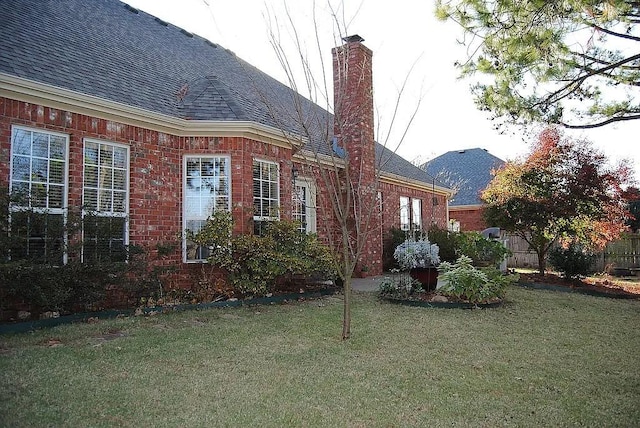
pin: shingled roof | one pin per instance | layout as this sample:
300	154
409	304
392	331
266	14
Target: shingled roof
110	50
468	171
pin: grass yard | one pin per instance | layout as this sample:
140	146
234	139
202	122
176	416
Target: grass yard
543	359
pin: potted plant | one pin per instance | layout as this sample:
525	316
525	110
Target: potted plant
421	258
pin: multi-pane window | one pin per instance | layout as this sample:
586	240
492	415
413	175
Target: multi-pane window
304	205
405	223
105	202
39	194
416	214
266	194
410	213
207	188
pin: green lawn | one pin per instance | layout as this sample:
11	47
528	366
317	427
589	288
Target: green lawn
543	359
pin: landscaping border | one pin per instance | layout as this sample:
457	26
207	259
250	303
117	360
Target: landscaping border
25	326
444	305
578	290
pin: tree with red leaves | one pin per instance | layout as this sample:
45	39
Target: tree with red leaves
563	191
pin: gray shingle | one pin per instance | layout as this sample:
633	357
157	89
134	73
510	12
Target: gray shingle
467	170
107	49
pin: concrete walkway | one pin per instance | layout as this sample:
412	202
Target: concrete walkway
366	284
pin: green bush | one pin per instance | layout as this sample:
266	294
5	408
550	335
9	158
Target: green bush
466	282
448	242
144	273
392	239
400	286
572	262
260	264
481	250
68	288
79	287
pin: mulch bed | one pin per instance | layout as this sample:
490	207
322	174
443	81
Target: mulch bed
606	286
284	295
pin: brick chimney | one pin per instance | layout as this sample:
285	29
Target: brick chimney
354	133
353	102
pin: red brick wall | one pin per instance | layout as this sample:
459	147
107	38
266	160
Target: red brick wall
155	188
470	219
155	198
431	214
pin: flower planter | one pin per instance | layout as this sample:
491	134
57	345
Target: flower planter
428	277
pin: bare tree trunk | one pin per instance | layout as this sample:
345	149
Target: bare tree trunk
351	178
346	316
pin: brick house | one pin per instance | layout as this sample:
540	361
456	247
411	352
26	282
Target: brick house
469	171
151	128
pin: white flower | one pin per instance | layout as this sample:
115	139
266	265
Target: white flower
413	254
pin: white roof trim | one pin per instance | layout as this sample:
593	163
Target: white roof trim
465	207
52	96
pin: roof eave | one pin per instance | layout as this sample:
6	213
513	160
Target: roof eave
52	96
467	207
421	185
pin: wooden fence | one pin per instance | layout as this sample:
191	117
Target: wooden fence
624	253
522	256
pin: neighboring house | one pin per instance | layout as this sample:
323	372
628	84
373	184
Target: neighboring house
152	128
468	172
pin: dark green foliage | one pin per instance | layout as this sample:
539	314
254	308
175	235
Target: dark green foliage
481	250
464	281
632	197
260	264
215	236
67	288
447	242
144	273
531	69
80	287
571	262
34	275
634	210
451	244
392	239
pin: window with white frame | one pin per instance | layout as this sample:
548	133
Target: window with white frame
416	214
38	187
207	188
405	223
266	193
304	204
105	205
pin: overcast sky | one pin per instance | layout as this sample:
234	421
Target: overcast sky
404	36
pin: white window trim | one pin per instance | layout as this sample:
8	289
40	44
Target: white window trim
65	194
278	199
405	213
415	224
310	204
127	189
185	158
127	177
